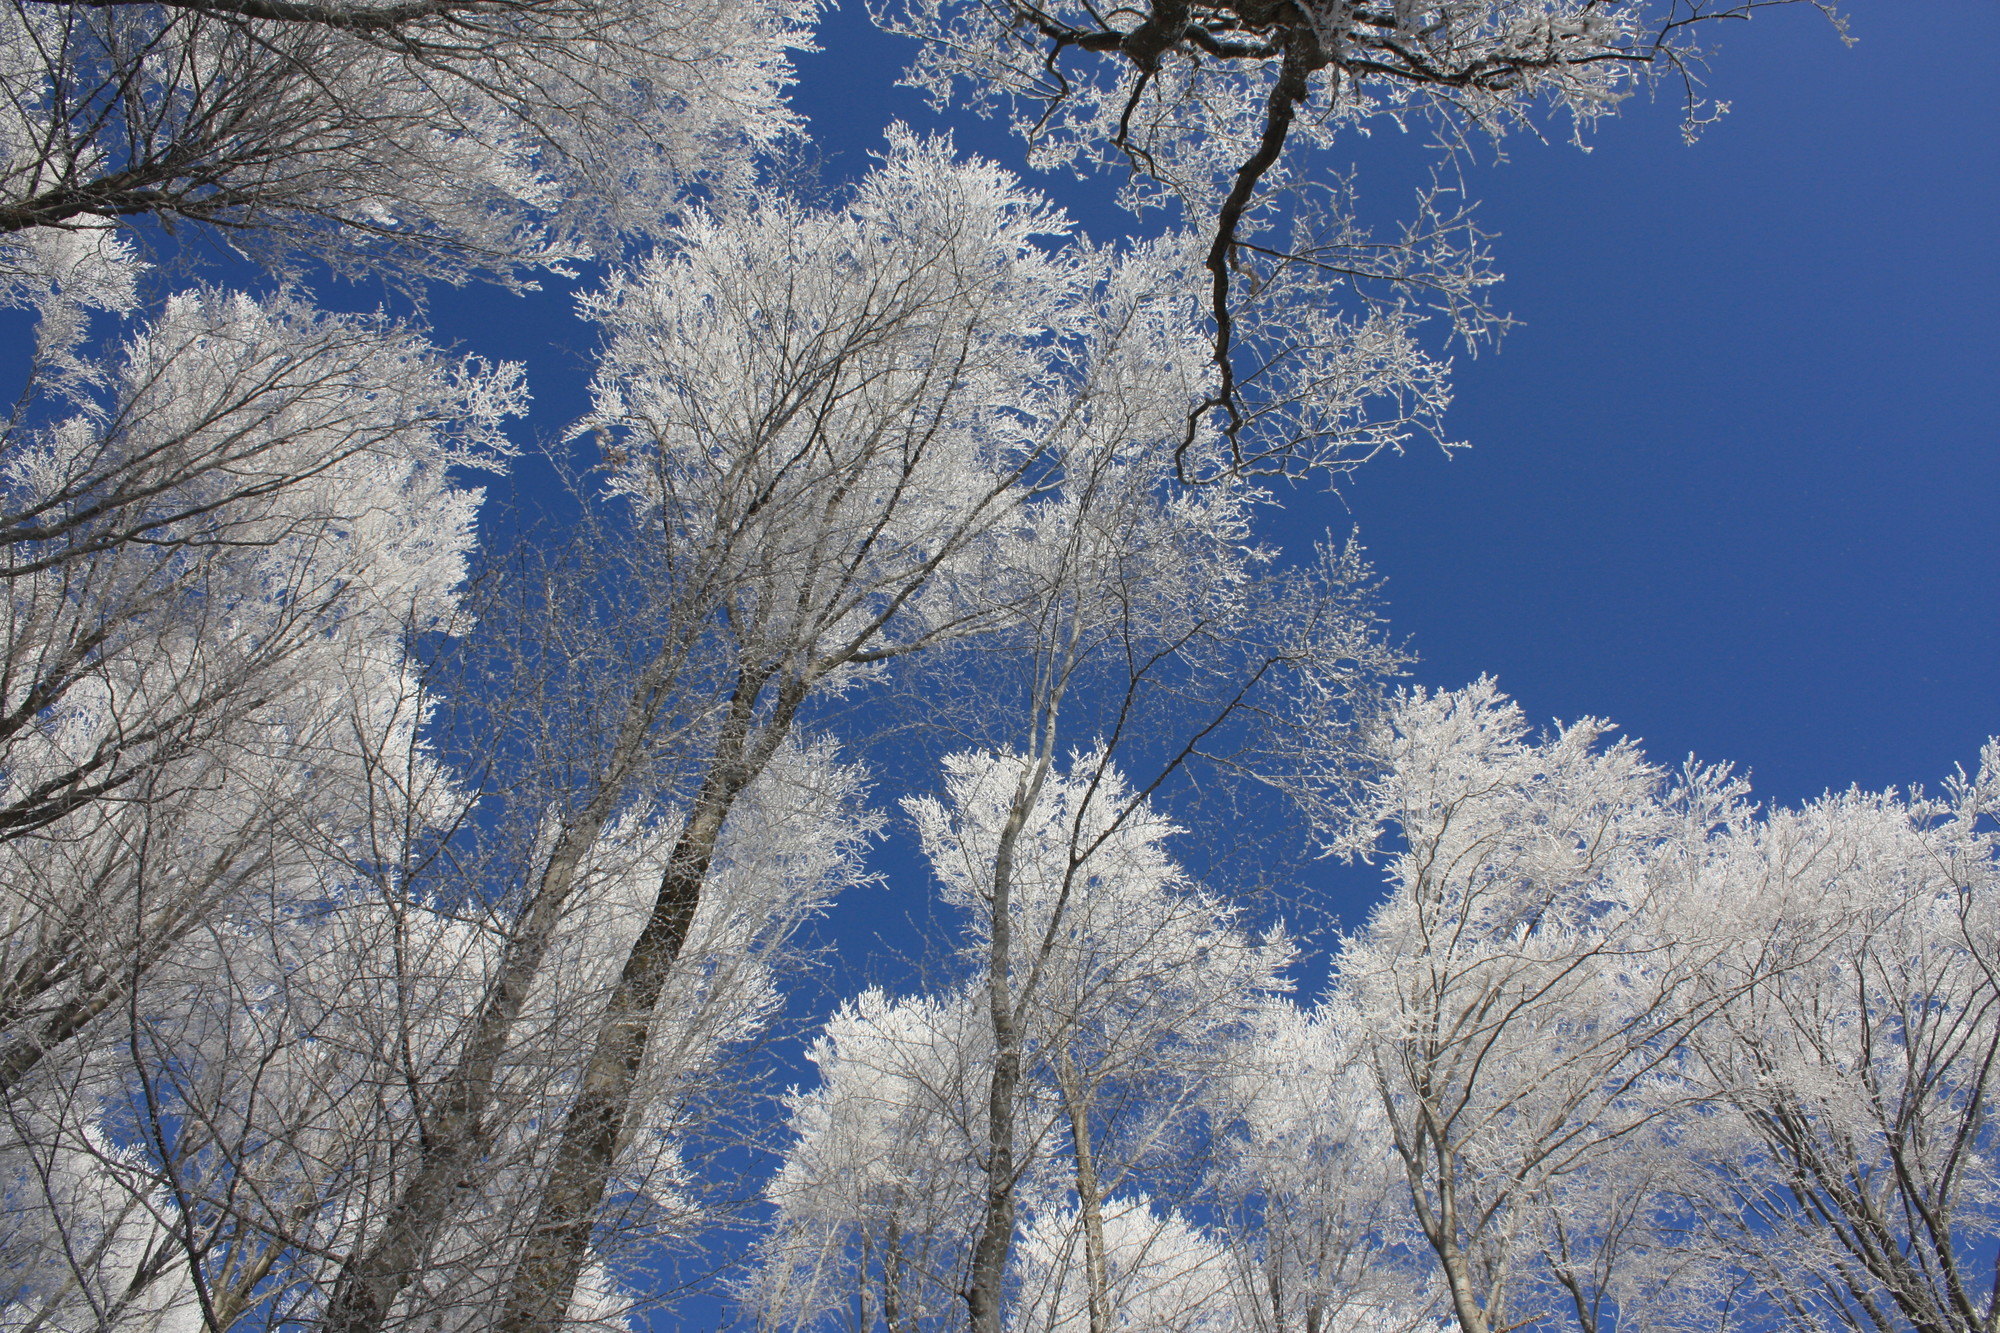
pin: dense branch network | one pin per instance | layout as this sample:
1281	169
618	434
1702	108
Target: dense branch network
436	138
1219	110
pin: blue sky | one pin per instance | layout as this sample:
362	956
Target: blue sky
1734	483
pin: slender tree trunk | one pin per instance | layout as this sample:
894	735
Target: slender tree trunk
1428	1162
1089	1200
1451	1258
559	1242
455	1128
864	1322
994	1243
892	1280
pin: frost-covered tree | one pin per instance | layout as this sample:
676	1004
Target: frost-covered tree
1651	1059
268	1094
824	417
1308	1180
820	422
219	542
1121	981
1524	994
1150	1269
1848	1170
1150	621
212	564
882	1170
1126	979
436	138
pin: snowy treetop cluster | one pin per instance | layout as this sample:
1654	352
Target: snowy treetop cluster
404	905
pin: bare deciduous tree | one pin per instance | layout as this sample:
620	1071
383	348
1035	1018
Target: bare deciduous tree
1522	996
1853	1181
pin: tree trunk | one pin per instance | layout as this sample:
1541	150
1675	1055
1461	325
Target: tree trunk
892	1280
1451	1257
995	1240
559	1242
1089	1201
455	1129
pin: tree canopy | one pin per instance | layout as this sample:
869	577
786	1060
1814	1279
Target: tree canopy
411	909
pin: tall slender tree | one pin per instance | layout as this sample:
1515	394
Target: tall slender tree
821	421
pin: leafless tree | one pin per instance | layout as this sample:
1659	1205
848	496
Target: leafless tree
1851	1183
